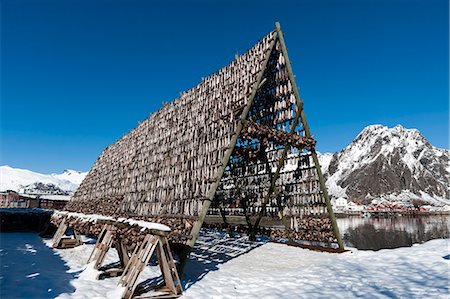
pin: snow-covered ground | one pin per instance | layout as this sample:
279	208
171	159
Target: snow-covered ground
229	268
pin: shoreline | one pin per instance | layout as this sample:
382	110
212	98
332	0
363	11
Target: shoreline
378	214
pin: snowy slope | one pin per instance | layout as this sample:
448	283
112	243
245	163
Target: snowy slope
26	181
72	176
392	163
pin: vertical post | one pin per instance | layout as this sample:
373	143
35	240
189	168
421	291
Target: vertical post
308	134
122	252
212	191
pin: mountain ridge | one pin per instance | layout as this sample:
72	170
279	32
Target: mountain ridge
30	182
397	164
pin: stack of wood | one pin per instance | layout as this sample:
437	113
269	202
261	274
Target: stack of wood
323	237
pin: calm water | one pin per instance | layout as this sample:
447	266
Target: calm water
30	269
375	234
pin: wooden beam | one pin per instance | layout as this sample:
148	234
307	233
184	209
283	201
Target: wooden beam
165	269
308	134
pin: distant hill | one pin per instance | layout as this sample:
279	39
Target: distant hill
396	164
26	181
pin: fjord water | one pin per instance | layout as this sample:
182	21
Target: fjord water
393	232
30	269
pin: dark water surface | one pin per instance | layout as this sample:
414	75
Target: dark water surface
30	269
400	231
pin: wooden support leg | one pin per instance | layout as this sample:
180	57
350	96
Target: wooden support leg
140	258
77	237
59	233
165	269
60	242
123	259
137	263
123	253
99	241
172	266
103	249
128	268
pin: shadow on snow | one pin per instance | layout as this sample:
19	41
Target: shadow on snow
30	269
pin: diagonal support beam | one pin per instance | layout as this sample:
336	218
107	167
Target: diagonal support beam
308	134
212	191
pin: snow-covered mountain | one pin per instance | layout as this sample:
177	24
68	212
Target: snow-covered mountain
397	164
26	181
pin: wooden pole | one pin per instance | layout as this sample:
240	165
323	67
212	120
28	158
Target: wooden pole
212	191
308	134
277	173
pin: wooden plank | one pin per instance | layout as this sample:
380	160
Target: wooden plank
147	253
172	265
103	249
99	240
141	257
67	243
77	237
59	233
102	246
129	266
122	252
167	273
136	265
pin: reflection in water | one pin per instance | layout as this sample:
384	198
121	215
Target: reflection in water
375	234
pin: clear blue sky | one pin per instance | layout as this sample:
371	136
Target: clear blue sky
77	75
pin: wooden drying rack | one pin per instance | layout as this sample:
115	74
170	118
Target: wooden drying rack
130	267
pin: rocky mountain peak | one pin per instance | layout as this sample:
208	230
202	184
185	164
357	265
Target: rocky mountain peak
384	161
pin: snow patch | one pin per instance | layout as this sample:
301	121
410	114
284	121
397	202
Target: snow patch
33	275
94	218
